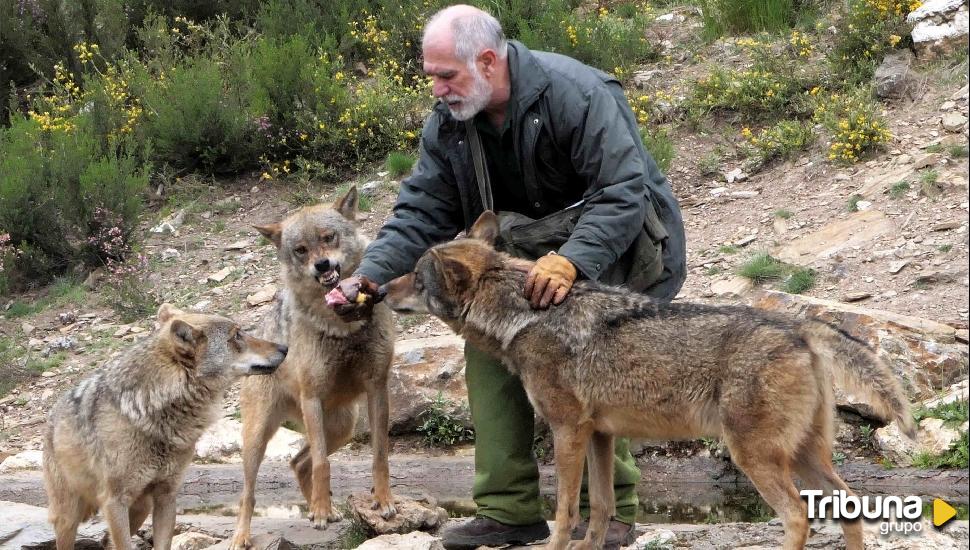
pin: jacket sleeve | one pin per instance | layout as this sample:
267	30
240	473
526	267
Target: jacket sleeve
428	211
605	154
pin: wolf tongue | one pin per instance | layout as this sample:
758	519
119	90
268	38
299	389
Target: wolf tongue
336	297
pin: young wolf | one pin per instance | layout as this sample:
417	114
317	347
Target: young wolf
609	362
331	363
121	440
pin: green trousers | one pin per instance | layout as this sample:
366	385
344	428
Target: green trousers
506	485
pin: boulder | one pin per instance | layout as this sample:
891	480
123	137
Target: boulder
939	27
24	460
894	78
222	442
412	515
410	541
27	527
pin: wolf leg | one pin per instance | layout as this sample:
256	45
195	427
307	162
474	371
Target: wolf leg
116	516
769	468
813	464
602	503
377	416
569	443
65	513
163	517
138	511
260	422
321	506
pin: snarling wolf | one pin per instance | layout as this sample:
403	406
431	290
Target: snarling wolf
609	362
330	364
120	441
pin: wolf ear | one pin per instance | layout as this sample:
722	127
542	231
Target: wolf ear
272	231
166	312
485	228
185	338
347	204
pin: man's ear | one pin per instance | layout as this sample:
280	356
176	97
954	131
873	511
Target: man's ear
185	338
166	312
273	232
347	204
485	228
488	59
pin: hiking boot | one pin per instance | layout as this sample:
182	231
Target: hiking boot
483	531
617	534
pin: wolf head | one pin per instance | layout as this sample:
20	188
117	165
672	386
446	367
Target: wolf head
317	244
445	277
213	346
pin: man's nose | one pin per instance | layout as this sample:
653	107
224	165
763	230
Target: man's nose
439	89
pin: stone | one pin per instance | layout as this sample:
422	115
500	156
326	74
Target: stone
261	296
935	277
370	188
939	27
192	541
25	526
855	296
718	191
925	161
735	175
222	442
896	267
24	460
171	224
27	328
659	538
170	254
946	226
957	392
857	230
744	194
410	541
953	122
239	245
412	515
220	275
735	286
894	77
780	225
935	437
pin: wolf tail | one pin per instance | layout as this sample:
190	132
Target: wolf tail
857	368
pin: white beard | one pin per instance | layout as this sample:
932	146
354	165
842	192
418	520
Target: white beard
475	101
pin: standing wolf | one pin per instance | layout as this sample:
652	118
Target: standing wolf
121	440
609	362
330	364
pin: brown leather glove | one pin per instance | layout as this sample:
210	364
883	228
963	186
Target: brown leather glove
549	281
360	296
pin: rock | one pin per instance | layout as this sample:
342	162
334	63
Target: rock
896	446
24	460
948	105
746	240
855	296
61	343
261	296
170	254
780	225
192	541
946	226
641	79
654	538
896	267
122	330
171	223
201	306
222	441
925	161
27	328
934	437
894	78
412	515
956	392
924	354
744	194
239	245
934	277
220	275
718	190
370	188
67	318
411	541
863	205
859	229
953	122
27	527
940	26
735	175
735	286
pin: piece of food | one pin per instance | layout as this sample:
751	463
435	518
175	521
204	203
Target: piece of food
361	298
336	298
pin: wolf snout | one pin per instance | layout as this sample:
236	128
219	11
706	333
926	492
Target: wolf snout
282	349
325	265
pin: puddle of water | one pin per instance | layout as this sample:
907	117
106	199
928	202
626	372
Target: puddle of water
691	505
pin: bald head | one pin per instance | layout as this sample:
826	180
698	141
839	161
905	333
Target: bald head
465	31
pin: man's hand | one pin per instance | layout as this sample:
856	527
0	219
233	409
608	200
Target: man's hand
549	281
354	298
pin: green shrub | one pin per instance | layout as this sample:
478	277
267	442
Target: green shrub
783	140
399	164
746	16
899	189
865	32
194	122
855	123
957	456
660	146
800	280
440	427
763	268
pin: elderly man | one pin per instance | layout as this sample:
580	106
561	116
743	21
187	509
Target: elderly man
553	133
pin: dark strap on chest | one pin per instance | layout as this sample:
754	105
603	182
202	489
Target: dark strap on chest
481	169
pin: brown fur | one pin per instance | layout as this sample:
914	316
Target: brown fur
608	362
330	365
121	440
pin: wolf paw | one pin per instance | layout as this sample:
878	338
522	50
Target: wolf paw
579	545
388	510
322	519
241	542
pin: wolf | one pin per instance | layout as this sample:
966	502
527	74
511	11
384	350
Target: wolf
330	365
609	362
120	441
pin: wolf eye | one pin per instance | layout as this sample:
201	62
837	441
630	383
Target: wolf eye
300	250
330	239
